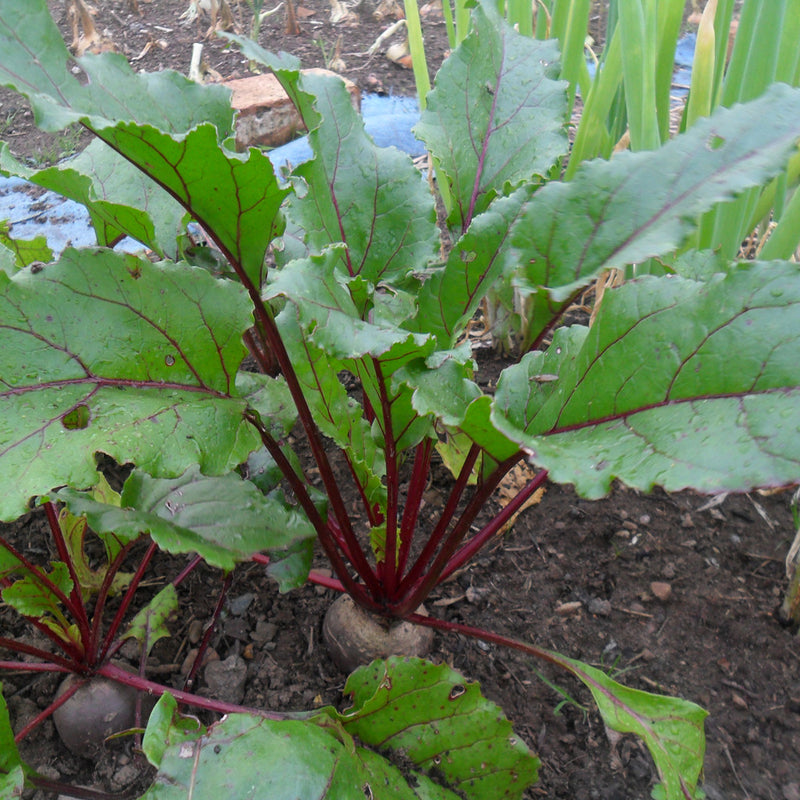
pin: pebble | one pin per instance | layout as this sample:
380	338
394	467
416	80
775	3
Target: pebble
602	608
195	630
225	679
188	662
264	632
125	776
661	590
568	609
238	605
791	791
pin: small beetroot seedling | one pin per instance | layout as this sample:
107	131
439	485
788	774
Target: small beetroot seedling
334	279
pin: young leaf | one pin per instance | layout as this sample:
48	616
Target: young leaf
642	394
671	727
223	519
90	579
12	775
496	115
149	625
60	398
32	597
439	720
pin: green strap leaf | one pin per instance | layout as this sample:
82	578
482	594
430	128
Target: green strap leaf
223	519
497	113
641	394
175	335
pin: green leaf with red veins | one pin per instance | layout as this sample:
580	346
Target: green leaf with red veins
677	384
166	125
376	201
672	728
223	519
120	199
441	721
638	205
169	334
496	117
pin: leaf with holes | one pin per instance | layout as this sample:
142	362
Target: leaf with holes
155	367
418	713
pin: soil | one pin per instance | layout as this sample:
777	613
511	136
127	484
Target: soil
669	593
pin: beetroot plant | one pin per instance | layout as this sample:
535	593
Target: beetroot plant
355	306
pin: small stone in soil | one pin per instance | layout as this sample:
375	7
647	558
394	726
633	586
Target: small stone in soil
238	605
264	632
661	590
225	679
602	608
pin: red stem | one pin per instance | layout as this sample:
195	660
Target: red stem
491	529
126	601
76	607
115	673
49	658
416	488
209	632
72	648
186	571
314	576
420	590
445	518
388	568
276	345
328	539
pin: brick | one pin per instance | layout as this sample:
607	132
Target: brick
266	116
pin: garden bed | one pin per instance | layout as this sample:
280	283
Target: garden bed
671	593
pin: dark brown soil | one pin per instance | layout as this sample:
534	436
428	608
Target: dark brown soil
715	640
571	575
